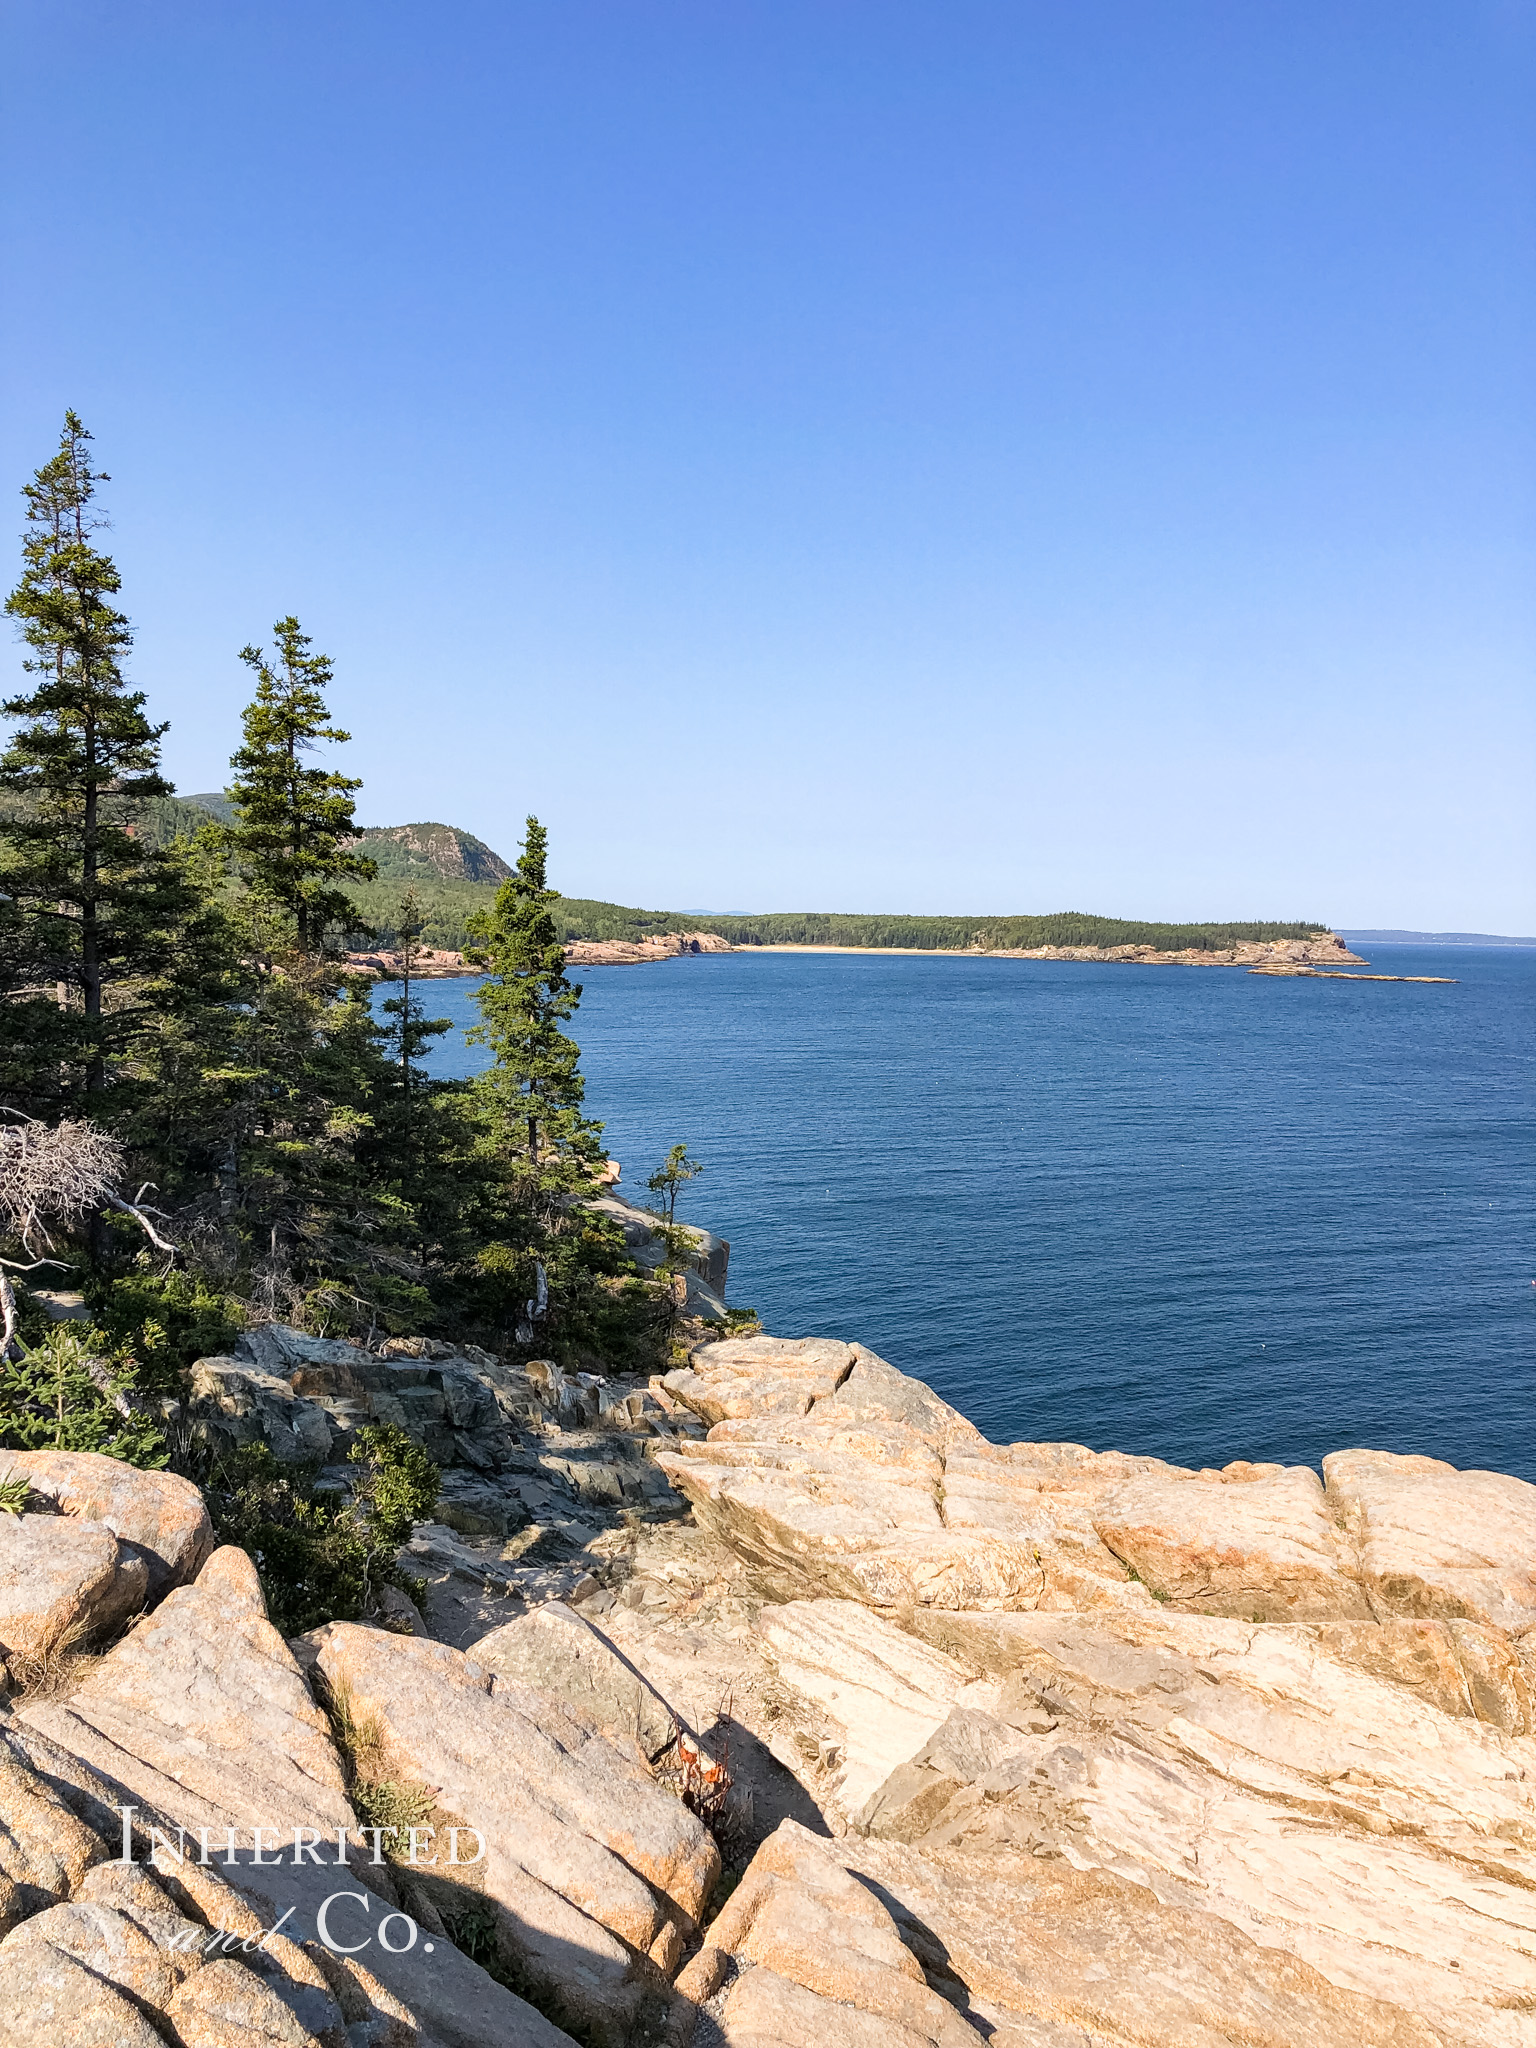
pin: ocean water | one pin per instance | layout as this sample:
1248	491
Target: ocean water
1183	1211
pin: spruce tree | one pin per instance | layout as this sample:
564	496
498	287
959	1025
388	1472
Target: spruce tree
407	1035
88	910
294	830
534	1089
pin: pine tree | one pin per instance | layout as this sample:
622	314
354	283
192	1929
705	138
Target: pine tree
412	1030
407	1035
535	1087
89	911
292	839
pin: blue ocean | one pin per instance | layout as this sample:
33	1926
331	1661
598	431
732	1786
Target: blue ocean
1186	1211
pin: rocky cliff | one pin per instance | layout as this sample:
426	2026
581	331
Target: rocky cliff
1322	949
405	852
437	964
783	1707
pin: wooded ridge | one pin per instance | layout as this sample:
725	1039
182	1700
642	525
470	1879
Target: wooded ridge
455	874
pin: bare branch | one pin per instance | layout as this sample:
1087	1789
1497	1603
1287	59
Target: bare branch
60	1173
8	1310
141	1217
8	1301
53	1172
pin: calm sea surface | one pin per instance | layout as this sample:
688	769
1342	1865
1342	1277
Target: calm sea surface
1186	1211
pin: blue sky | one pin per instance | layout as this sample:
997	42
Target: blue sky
985	456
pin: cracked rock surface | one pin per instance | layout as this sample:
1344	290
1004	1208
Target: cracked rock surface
790	1711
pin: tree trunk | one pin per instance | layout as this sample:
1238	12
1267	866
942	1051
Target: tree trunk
90	929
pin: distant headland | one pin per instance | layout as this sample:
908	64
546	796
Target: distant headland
454	874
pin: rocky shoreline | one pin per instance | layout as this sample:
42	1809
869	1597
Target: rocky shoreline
1323	950
787	1709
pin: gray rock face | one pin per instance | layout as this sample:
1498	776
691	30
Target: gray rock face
555	1652
278	1349
306	1397
713	1255
239	1404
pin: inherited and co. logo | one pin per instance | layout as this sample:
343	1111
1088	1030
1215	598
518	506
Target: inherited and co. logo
301	1846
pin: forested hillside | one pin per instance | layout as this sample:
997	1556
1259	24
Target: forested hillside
454	875
445	907
956	934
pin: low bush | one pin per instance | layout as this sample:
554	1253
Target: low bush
166	1320
75	1391
320	1559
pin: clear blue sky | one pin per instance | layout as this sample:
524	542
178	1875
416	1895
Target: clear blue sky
982	455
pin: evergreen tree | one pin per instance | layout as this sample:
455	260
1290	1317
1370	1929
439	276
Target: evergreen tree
412	1030
292	839
89	912
313	1070
674	1172
407	1145
307	1060
534	1089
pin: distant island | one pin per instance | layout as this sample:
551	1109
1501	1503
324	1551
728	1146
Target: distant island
453	873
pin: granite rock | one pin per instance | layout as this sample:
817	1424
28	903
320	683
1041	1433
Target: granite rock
1437	1542
63	1582
154	1515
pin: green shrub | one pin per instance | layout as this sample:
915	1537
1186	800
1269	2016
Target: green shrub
15	1491
74	1392
399	1483
319	1560
167	1320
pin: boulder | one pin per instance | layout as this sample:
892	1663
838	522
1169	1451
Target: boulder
225	2004
238	1404
115	1949
206	1694
49	1996
201	1720
608	1836
589	1866
1264	1549
759	1376
155	1515
63	1582
1437	1542
555	1652
46	1850
804	1955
